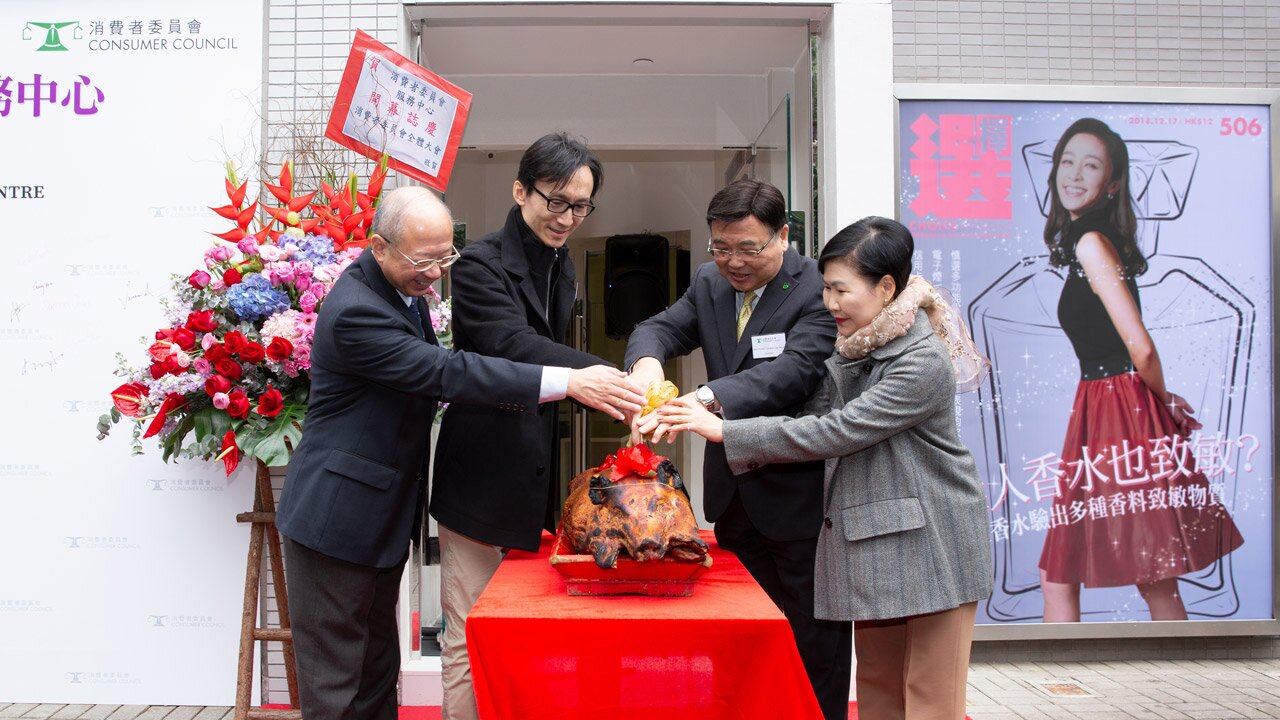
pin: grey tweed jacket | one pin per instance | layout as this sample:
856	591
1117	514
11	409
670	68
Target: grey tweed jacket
905	526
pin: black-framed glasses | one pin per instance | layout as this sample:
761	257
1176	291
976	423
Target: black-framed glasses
557	205
430	263
723	254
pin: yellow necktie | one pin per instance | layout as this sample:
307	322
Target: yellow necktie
745	313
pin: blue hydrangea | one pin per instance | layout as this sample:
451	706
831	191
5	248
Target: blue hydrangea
315	249
254	298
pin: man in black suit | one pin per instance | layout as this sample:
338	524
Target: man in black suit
513	294
356	485
757	313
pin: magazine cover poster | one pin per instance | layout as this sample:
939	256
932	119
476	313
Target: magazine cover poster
1113	261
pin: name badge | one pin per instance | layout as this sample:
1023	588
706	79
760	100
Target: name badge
768	346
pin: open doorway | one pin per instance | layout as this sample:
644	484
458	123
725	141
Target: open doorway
676	99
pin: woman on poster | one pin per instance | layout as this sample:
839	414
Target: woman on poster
903	551
1123	416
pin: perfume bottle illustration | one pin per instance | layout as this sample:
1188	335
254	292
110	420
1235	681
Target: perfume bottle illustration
1202	326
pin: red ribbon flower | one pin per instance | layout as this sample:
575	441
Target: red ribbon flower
279	349
172	402
270	403
239	407
636	460
128	399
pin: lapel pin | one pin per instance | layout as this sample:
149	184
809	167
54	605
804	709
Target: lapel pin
786	286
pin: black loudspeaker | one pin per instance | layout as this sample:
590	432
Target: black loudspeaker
635	282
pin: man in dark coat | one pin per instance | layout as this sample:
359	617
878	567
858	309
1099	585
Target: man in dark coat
496	482
756	311
357	482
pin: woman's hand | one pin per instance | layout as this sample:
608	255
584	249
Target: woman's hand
687	414
1182	414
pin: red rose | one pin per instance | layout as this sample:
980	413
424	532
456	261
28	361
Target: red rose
217	384
231	277
157	371
184	338
270	403
279	349
234	341
172	367
239	407
198	279
201	321
230	368
216	353
253	353
128	399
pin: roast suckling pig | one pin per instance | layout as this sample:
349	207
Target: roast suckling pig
636	502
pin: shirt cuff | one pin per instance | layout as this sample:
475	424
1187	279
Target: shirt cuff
555	384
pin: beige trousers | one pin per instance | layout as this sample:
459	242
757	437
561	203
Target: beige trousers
466	566
915	667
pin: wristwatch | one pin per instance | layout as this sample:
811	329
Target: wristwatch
708	399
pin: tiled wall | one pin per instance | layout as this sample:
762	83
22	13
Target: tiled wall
1227	43
307	46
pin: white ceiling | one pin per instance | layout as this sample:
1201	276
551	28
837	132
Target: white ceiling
606	39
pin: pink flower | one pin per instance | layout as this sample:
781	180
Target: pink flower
208	341
248	246
279	272
217	285
302	282
198	279
216	254
270	253
307	302
221	401
183	359
202	366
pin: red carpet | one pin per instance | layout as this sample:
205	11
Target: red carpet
433	713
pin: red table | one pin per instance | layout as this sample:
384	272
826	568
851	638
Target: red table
725	652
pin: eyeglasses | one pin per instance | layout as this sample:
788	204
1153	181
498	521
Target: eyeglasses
557	205
427	265
722	254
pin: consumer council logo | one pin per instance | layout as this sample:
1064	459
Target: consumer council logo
52	34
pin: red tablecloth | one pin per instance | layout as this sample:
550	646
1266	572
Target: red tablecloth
724	652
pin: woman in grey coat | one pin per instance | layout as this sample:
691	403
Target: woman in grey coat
903	550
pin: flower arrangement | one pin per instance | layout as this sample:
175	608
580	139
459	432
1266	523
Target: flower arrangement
227	377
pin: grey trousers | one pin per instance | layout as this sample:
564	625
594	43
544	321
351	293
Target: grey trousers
344	635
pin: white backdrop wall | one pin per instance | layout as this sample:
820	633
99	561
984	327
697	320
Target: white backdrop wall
121	577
